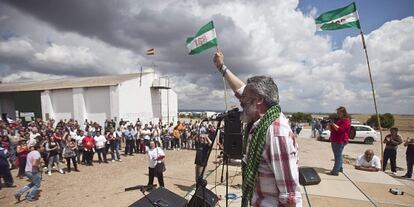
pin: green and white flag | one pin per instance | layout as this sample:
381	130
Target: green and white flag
339	18
204	39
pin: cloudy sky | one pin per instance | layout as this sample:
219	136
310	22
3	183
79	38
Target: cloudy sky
315	71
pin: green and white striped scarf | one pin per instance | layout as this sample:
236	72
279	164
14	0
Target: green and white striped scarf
255	152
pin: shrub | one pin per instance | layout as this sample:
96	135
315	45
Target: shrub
387	120
301	117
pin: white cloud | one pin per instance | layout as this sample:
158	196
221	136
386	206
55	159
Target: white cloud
29	76
69	57
391	54
15	47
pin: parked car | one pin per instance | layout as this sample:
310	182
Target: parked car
358	133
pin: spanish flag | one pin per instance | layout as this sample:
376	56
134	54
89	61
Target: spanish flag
151	51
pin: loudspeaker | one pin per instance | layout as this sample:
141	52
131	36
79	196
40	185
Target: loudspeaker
308	176
197	200
161	197
233	138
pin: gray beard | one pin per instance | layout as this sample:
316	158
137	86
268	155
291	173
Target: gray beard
248	113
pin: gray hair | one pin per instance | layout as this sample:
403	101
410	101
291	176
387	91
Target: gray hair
266	88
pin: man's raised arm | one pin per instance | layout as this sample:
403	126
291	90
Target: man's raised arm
235	83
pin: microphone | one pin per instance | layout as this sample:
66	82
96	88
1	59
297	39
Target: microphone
141	187
225	114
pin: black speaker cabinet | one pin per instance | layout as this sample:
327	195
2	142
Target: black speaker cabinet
161	197
308	176
233	138
197	200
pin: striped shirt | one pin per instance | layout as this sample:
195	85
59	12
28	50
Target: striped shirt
277	181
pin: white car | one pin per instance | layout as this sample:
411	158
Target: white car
358	133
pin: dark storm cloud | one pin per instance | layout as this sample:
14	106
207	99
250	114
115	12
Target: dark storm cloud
98	19
165	30
108	21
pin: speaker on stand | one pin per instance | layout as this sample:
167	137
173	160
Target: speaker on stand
233	138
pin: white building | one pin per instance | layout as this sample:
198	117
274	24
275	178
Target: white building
128	96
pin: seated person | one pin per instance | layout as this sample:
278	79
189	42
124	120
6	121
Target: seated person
368	162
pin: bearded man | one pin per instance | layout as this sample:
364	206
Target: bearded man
270	163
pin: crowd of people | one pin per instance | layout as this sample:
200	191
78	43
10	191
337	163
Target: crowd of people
72	143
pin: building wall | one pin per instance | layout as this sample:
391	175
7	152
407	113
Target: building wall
97	104
173	109
114	102
62	103
79	109
128	100
157	105
28	102
7	105
168	107
46	102
25	101
135	99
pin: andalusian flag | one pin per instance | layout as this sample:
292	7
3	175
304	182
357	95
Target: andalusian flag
204	39
151	51
339	18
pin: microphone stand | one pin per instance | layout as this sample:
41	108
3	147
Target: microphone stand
200	181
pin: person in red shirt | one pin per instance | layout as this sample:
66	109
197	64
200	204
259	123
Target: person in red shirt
22	151
339	137
88	146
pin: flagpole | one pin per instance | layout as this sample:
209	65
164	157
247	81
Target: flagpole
225	87
140	77
373	92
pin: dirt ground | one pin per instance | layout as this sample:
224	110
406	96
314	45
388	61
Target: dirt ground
104	184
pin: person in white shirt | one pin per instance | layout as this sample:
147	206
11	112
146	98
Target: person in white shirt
72	133
100	143
146	133
32	171
34	133
368	162
113	142
31	138
79	137
155	163
156	133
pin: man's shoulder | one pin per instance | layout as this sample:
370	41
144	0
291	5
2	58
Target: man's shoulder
35	154
280	126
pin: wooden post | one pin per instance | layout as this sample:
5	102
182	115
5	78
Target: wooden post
373	93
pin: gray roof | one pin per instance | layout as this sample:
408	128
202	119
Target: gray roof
78	82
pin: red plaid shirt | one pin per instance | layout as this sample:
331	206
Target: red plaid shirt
277	182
